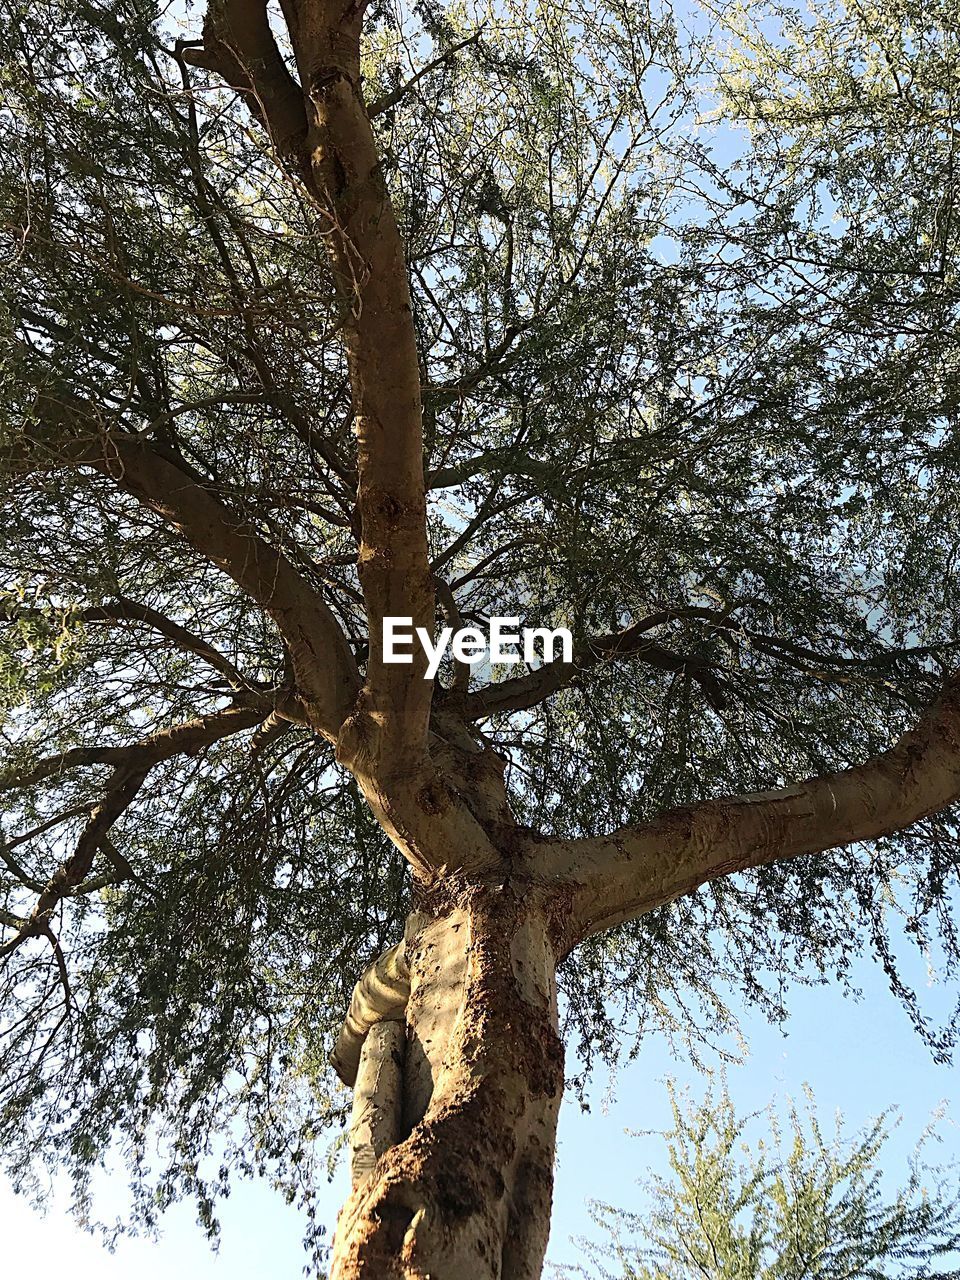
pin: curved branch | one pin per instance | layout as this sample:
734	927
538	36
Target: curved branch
529	690
238	46
380	996
188	739
132	764
636	869
323	663
123	610
121	790
324	666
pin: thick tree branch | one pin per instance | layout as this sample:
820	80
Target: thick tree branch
380	994
323	664
187	739
238	46
367	258
636	869
366	255
384	740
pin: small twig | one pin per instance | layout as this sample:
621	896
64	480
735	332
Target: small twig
388	100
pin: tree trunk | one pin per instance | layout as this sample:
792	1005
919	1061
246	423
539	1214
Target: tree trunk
466	1193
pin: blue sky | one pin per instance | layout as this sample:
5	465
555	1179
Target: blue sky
859	1056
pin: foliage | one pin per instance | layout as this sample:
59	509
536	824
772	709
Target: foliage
793	1204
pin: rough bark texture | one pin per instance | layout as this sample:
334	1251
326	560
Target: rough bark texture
467	1192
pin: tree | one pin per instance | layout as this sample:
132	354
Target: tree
580	314
791	1205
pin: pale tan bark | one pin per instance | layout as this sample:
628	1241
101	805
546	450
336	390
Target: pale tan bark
381	994
377	1099
339	162
384	742
464	1194
384	738
468	1192
636	869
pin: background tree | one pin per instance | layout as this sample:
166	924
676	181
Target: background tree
320	315
793	1204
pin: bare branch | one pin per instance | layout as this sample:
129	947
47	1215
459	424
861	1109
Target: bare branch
121	789
188	738
529	690
388	100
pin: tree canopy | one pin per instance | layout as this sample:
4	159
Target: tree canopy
685	295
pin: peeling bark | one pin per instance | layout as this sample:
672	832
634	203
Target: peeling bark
467	1192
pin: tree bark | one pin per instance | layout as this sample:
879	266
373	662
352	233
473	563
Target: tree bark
377	1099
466	1193
636	869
